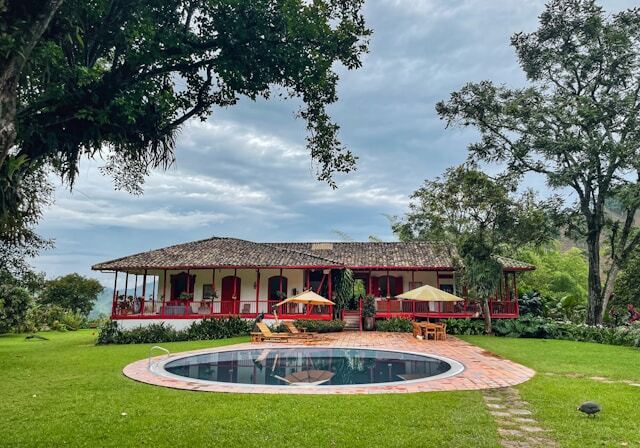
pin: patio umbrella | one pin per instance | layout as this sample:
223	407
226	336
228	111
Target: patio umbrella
428	293
307	298
307	377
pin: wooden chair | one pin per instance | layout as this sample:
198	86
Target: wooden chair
430	330
416	329
441	332
269	336
291	328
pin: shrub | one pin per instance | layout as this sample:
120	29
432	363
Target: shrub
280	328
530	327
53	317
14	304
320	326
465	326
109	333
369	306
531	303
218	328
205	329
394	324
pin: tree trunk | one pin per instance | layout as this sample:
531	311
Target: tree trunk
608	291
8	92
486	313
595	308
11	70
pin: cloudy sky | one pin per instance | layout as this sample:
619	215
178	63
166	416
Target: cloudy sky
246	173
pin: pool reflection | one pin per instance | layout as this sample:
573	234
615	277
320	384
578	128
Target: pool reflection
307	366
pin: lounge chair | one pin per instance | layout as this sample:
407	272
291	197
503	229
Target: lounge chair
269	336
291	328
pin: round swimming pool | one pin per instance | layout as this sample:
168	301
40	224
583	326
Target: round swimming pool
308	366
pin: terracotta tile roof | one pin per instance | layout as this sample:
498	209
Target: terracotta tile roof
370	254
510	264
233	252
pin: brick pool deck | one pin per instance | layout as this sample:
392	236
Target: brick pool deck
482	369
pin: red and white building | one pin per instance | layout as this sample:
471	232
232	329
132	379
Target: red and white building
227	276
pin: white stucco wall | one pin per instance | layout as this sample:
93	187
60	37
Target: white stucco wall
248	278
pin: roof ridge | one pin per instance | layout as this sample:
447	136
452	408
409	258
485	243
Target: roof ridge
300	252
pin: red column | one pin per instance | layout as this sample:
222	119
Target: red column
126	284
144	291
153	295
515	291
164	292
235	290
388	285
186	302
213	287
257	291
370	289
115	295
330	286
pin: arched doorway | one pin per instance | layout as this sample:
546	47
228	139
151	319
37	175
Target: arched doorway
230	295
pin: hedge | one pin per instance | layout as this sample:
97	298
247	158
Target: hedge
320	326
205	329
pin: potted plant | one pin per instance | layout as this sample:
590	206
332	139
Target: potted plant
186	296
369	312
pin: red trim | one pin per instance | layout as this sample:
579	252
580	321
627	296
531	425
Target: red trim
257	290
164	292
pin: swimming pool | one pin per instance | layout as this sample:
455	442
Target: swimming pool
307	366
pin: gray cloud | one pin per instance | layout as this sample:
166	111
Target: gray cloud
246	172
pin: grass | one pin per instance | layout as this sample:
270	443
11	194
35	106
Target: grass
68	392
563	382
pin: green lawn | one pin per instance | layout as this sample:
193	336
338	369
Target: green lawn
80	395
68	392
562	383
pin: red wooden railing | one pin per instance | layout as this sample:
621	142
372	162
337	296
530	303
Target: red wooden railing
190	309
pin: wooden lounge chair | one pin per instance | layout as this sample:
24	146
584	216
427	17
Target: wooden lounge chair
291	328
269	336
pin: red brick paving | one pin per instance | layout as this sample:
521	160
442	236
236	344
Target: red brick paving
482	370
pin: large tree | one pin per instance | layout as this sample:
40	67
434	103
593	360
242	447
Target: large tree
72	292
576	123
480	219
118	78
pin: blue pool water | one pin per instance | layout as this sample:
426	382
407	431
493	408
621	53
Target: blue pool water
297	366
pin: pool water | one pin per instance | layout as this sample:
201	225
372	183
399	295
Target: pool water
299	366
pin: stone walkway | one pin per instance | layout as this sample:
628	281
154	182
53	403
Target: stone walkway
482	369
516	425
